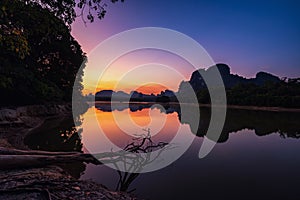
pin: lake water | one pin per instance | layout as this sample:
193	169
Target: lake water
256	157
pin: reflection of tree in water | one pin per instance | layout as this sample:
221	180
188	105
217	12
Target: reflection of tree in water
144	145
59	135
133	158
56	135
134	107
262	122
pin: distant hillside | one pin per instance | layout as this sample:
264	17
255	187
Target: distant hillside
263	90
230	80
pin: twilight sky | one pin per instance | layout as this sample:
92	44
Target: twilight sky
249	36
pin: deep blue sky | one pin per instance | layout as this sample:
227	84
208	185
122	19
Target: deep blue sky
250	36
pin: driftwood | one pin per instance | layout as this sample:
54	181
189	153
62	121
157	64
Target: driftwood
14	158
9	151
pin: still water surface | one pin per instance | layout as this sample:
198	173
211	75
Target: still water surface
256	157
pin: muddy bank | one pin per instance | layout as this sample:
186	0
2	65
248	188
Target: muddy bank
16	123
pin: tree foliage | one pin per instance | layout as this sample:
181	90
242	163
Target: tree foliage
39	57
89	9
281	94
66	9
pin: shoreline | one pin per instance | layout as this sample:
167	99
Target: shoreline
19	122
50	181
258	108
242	107
273	109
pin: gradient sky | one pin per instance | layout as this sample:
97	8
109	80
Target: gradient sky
249	36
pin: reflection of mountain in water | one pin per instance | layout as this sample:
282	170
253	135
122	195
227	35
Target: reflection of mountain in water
262	122
286	124
133	107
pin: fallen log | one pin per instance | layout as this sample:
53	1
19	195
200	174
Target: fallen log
23	161
10	151
15	158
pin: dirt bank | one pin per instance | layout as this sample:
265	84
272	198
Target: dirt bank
46	181
16	123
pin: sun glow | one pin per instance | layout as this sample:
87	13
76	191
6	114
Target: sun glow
151	88
147	71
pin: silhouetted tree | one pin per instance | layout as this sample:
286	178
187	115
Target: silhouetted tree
65	9
283	94
39	57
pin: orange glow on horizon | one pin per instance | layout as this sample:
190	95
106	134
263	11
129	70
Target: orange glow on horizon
147	71
151	88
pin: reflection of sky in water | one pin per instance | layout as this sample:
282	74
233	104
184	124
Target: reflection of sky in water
163	127
246	166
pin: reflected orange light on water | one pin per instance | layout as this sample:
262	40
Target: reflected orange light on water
142	120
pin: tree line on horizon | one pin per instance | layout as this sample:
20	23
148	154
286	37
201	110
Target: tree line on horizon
281	94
